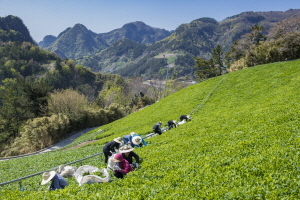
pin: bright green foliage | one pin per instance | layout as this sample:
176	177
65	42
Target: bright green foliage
243	143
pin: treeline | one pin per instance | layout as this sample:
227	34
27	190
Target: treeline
282	43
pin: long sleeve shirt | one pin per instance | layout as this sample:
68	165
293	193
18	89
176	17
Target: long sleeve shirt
111	146
125	167
58	182
127	139
130	156
156	127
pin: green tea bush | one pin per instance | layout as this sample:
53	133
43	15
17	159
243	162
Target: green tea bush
243	143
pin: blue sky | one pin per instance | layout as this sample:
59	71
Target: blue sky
51	17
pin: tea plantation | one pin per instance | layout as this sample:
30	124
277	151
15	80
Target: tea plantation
242	143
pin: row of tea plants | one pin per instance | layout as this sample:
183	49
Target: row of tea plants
243	143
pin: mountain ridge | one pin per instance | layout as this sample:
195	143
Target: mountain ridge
194	39
78	41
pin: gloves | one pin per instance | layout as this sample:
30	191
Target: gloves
135	165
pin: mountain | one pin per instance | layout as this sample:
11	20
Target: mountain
78	41
47	41
114	57
138	32
13	29
197	38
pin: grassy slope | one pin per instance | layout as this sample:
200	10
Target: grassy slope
242	143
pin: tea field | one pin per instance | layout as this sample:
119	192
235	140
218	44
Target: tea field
242	143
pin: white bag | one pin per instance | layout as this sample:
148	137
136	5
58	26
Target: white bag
66	171
111	163
90	178
182	122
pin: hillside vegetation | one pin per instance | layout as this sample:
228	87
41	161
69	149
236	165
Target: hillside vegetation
243	143
196	38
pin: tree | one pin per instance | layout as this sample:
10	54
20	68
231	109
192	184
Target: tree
15	105
36	91
256	34
218	58
68	102
205	68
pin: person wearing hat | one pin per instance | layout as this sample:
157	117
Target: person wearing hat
172	124
136	140
128	154
57	181
156	128
185	117
127	138
111	147
123	166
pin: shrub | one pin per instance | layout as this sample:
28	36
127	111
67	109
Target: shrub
39	133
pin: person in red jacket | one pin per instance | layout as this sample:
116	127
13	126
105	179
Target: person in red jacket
123	167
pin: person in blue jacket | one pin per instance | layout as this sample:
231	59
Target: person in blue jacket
57	181
127	139
137	141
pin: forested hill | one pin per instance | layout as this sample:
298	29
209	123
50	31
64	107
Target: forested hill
29	77
13	29
197	38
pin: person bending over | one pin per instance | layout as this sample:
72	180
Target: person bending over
122	166
129	155
185	117
111	147
57	181
172	124
157	128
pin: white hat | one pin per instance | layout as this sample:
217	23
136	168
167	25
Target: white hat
126	148
47	176
133	133
118	140
136	140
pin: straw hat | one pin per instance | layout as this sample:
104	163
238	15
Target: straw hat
136	140
47	176
118	140
126	148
